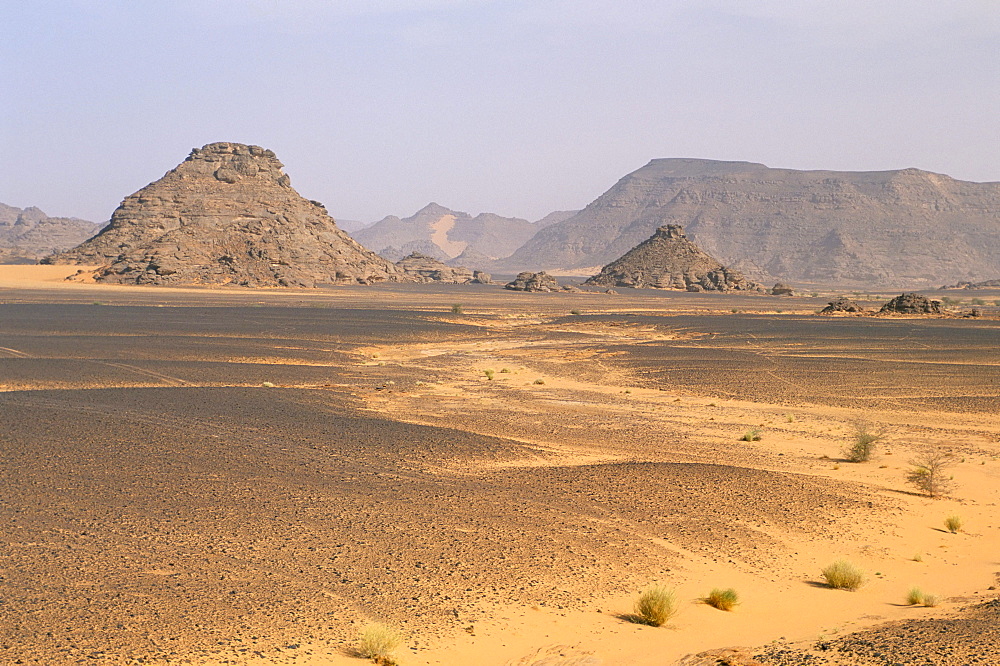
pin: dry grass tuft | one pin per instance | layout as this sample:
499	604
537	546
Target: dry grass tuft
723	599
915	596
931	600
751	435
843	575
378	641
953	523
655	607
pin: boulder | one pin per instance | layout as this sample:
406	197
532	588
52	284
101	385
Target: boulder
842	304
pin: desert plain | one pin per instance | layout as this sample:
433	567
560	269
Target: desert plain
209	476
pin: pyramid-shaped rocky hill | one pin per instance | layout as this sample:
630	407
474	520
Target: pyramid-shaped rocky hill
227	215
669	260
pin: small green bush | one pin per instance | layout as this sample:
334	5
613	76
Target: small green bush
930	600
538	381
865	439
574	312
723	599
930	475
378	641
751	435
953	523
914	597
457	308
489	373
655	606
842	575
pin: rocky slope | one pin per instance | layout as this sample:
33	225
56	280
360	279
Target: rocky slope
227	215
668	260
28	234
884	228
445	234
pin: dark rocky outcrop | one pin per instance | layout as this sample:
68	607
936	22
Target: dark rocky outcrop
669	260
528	281
427	269
782	289
227	215
28	234
843	304
911	304
905	228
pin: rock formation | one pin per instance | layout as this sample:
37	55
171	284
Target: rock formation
906	228
669	260
227	215
427	269
27	235
782	289
843	304
985	284
911	304
528	281
447	234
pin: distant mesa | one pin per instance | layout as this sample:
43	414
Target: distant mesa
911	304
422	268
446	235
985	284
843	304
528	281
669	260
28	234
227	215
906	228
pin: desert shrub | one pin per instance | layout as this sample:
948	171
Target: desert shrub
538	381
574	312
751	435
930	600
268	385
953	523
378	641
843	575
457	308
504	370
915	596
930	474
722	599
489	373
655	606
978	301
789	418
865	438
918	557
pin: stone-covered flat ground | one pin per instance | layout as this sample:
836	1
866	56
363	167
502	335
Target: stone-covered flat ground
232	477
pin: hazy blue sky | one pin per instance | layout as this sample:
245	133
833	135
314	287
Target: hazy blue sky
514	107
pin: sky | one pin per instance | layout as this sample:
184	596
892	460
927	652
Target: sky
516	107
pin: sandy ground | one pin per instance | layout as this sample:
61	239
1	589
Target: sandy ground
210	476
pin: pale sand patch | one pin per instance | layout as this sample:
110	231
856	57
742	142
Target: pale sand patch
439	235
